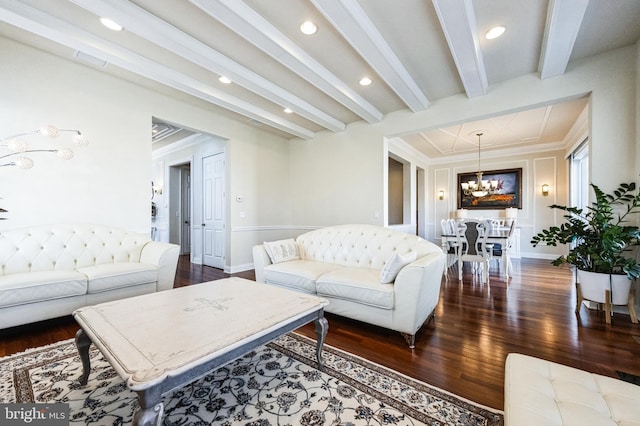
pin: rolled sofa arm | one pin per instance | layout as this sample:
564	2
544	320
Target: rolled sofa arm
165	257
260	261
417	291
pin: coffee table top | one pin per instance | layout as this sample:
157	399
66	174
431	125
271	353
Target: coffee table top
149	336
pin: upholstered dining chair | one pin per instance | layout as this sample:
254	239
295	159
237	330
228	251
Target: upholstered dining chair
472	247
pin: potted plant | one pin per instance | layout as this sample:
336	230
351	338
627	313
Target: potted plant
600	239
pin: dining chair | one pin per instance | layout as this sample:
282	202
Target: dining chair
472	247
494	248
512	227
450	247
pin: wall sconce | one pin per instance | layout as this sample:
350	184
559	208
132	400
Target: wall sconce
545	189
441	194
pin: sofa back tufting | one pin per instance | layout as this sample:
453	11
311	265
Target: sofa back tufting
364	246
67	247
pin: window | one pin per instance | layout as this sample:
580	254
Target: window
579	186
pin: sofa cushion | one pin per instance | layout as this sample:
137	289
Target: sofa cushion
282	250
109	276
30	287
297	274
360	285
394	265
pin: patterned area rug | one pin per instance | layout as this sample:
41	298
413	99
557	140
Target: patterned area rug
276	384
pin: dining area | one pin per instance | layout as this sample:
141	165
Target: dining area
480	242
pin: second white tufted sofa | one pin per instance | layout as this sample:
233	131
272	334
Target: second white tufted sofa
49	271
343	264
539	392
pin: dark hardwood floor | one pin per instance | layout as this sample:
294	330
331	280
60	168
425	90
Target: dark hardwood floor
463	350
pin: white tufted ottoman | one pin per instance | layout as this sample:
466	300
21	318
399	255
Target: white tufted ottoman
539	392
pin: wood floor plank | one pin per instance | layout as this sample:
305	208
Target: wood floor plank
464	348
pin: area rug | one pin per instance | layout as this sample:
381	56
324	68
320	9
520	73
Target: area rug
276	384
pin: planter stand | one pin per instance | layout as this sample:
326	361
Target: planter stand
608	307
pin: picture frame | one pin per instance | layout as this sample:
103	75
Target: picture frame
509	193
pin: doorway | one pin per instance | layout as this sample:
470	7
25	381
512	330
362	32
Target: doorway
192	210
180	206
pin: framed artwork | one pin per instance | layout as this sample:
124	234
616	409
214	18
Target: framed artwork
508	193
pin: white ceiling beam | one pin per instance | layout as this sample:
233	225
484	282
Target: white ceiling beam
44	25
458	22
348	17
142	23
244	21
564	18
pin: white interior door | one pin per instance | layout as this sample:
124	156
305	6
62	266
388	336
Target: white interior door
213	199
185	236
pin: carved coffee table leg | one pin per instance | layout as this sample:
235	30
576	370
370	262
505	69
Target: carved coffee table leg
82	343
150	408
322	327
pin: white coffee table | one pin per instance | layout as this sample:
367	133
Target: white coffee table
160	341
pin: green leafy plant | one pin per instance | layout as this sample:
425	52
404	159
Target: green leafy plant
599	235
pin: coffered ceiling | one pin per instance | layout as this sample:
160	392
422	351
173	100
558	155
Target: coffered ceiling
414	51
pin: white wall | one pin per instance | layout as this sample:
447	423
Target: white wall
337	177
105	182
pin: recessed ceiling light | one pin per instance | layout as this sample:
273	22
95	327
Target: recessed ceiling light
308	28
365	81
288	110
111	24
494	32
224	80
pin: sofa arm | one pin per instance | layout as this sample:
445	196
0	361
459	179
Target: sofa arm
260	260
417	291
165	257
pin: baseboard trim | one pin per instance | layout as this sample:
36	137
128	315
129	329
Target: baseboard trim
274	228
238	268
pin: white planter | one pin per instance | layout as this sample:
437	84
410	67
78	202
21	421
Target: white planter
594	285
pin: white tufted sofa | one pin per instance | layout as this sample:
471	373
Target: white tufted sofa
343	264
539	392
49	271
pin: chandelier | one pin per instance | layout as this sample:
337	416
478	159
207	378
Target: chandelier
479	187
17	147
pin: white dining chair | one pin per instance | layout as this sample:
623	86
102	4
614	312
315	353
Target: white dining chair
472	247
450	247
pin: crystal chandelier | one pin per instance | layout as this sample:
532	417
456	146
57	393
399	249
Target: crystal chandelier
479	188
17	147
